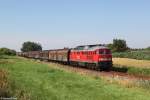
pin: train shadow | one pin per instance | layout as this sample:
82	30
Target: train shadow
120	69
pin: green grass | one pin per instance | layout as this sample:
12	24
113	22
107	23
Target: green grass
140	55
135	71
132	70
31	80
139	71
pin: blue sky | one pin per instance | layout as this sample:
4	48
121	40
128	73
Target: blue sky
68	23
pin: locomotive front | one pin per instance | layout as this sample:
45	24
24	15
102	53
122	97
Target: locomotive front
104	58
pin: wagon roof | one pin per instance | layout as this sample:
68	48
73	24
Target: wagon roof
57	49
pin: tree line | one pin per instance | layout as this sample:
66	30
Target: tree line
118	45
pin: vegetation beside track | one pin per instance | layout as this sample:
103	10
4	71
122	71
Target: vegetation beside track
132	66
132	70
5	90
30	80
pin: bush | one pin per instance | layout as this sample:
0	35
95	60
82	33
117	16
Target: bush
6	51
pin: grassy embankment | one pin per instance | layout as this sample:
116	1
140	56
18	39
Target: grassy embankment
30	80
134	62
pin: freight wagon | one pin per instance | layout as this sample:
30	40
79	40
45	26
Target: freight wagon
59	55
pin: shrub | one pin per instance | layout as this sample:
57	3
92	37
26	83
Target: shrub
6	51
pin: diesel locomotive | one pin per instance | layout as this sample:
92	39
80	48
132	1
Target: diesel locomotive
96	57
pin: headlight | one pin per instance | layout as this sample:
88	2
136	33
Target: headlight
105	59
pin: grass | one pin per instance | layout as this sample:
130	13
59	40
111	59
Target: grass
132	66
132	70
5	90
133	62
139	71
32	80
140	54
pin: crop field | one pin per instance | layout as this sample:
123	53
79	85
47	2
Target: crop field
131	62
134	62
31	80
133	66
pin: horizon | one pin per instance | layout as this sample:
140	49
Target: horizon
65	23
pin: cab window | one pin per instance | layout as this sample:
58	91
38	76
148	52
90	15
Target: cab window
105	51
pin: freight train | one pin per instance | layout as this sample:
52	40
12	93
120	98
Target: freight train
96	57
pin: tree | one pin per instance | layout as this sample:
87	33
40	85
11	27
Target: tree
118	45
31	46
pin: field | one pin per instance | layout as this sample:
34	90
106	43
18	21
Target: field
133	62
133	66
32	80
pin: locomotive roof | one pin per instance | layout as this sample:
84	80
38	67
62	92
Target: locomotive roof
90	47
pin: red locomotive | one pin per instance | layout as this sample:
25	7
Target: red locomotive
89	56
92	56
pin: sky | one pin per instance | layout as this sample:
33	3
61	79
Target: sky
69	23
